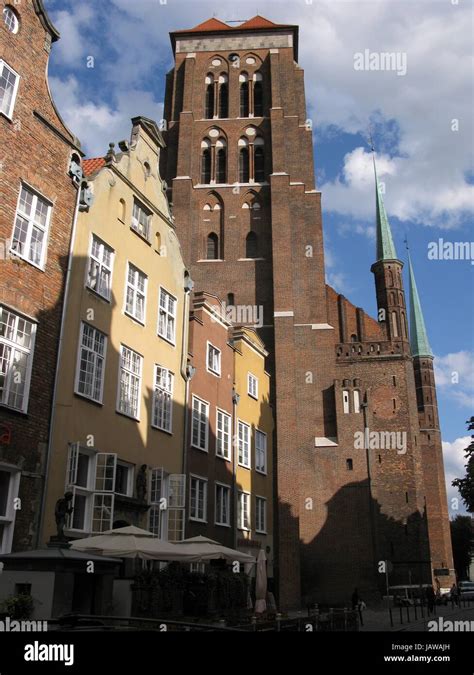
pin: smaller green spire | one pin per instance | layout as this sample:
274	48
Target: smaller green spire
418	336
385	246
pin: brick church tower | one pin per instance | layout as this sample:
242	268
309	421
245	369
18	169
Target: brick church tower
350	460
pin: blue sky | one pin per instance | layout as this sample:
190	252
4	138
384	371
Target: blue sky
421	123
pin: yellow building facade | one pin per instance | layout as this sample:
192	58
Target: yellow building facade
253	432
120	403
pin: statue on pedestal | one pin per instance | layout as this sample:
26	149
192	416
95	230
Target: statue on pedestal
62	510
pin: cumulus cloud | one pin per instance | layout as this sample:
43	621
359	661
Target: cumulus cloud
454	375
454	461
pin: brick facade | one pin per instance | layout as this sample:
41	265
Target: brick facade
35	150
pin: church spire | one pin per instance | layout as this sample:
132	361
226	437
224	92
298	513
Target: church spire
385	246
418	337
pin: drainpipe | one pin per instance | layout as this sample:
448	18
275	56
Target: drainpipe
187	372
235	445
56	376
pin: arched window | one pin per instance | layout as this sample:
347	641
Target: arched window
212	246
258	95
209	99
221	162
356	401
251	245
244	95
223	96
244	163
121	210
205	162
259	160
353	337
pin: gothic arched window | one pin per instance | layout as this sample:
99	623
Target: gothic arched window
223	96
251	245
258	95
259	160
209	99
205	162
212	246
244	161
244	95
221	162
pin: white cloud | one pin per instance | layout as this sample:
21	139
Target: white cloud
454	461
454	375
73	26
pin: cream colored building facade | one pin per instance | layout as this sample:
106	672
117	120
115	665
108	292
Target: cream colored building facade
119	413
253	433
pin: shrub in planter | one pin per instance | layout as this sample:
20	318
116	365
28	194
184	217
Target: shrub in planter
18	607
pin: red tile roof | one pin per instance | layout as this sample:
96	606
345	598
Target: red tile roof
216	25
259	22
89	166
210	24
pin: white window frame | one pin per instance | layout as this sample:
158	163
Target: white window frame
165	400
241	445
101	266
96	357
260	530
258	434
206	408
252	379
240	504
215	368
224	437
204	482
14	347
136	225
31	225
9	11
135	293
131	375
8	520
168	317
217	516
9	113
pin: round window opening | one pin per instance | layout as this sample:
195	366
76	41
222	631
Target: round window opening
11	20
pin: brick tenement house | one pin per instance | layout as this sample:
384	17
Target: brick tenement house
37	206
239	163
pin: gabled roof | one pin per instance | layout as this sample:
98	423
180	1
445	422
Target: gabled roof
90	166
216	26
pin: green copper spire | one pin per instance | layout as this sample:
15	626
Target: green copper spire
418	337
385	245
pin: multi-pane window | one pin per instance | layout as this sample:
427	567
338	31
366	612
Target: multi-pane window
91	363
30	231
9	483
163	399
222	509
213	359
17	337
167	316
99	270
223	443
244	444
243	511
129	382
167	499
260	451
9	81
252	385
198	499
91	477
11	20
135	293
141	219
200	423
260	514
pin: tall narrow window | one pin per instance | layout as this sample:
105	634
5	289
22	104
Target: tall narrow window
222	510
212	246
31	226
223	97
260	515
17	338
260	451
223	445
9	81
9	484
395	324
200	424
244	163
243	511
244	95
259	162
135	293
205	162
167	316
163	399
356	401
198	499
221	162
130	376
141	219
244	444
99	271
91	363
209	99
345	400
258	96
251	245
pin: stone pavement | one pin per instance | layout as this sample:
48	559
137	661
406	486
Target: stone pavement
380	621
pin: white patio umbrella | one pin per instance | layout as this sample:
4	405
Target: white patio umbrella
131	542
202	549
261	583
